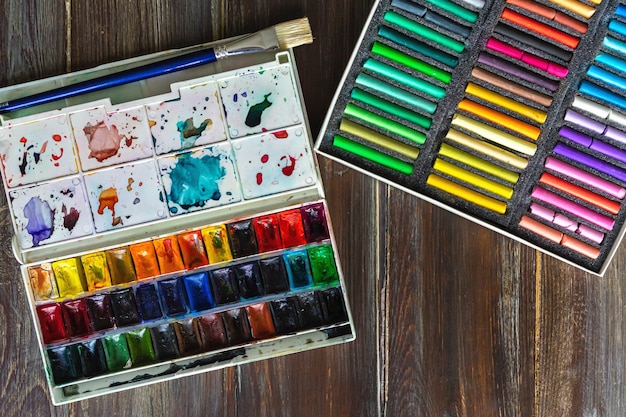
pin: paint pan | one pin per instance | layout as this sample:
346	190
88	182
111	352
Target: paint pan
160	232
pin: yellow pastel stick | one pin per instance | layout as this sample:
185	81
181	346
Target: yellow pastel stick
478	163
488	149
473	179
379	139
216	243
466	194
509	104
495	135
500	118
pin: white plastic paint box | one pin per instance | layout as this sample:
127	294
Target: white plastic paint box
509	113
171	226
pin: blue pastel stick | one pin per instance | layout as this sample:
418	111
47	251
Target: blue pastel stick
617	26
607	77
614	44
611	61
621	11
602	94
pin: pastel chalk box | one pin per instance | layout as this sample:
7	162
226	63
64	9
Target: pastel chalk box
511	113
171	226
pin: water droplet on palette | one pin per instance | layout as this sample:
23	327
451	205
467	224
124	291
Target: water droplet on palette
234	132
298	132
308	180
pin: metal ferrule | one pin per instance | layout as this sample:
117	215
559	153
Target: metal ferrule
263	40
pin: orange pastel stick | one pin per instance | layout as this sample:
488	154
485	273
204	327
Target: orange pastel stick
580	192
541	229
540	28
501	119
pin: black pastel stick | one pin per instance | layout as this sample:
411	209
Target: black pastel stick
533	41
431	17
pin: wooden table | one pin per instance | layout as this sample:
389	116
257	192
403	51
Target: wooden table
452	319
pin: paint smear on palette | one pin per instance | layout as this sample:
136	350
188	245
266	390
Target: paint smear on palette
193	120
125	195
200	179
50	212
108	138
260	101
37	151
274	162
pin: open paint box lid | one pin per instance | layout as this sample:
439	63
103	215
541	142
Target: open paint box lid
171	226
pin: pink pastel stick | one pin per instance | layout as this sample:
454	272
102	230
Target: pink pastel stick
573	208
585	177
535	61
567	223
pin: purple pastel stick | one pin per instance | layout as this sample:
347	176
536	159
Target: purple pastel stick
512	69
585	177
584	121
590	161
615	134
575	136
608	150
594	144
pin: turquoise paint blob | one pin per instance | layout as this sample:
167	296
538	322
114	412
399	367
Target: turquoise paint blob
195	180
40	219
256	111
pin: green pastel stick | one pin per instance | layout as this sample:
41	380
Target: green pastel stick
413	63
372	155
455	9
404	78
365	80
424	31
384	123
323	266
391	108
417	46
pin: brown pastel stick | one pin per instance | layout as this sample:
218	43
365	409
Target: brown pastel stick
512	87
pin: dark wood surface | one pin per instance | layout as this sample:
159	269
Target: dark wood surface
452	319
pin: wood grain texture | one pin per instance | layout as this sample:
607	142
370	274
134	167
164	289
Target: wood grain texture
452	319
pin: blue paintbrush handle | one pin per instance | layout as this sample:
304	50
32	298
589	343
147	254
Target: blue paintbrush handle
165	66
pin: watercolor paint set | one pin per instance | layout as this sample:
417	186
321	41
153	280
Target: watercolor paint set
171	226
511	113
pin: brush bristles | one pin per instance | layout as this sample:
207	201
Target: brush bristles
293	33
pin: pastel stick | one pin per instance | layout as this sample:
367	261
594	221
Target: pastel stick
417	46
517	71
533	41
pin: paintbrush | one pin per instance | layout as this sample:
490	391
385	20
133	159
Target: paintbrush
281	36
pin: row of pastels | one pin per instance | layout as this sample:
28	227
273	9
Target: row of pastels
491	110
218	142
578	197
191	336
184	251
